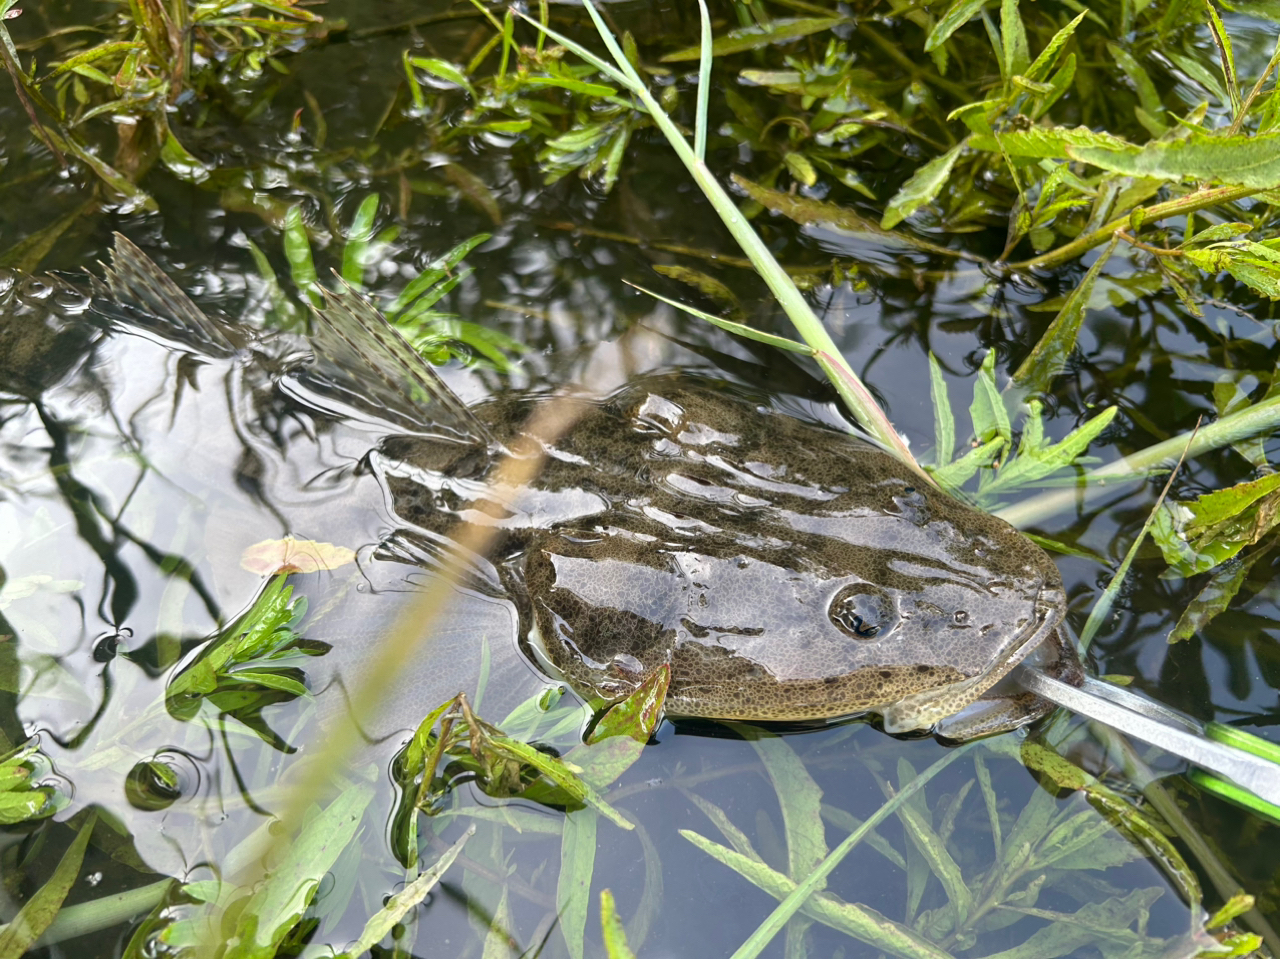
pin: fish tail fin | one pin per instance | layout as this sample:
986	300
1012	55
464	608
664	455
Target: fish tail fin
360	354
145	294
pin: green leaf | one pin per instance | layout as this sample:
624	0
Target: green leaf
916	823
1214	597
446	71
1048	143
297	250
1035	463
1040	66
615	937
559	772
637	716
944	421
573	890
861	922
399	905
1226	56
987	411
434	272
355	254
738	329
801	801
956	474
1013	35
960	13
1247	161
38	912
94	54
922	187
752	38
278	902
806	210
1198	535
1050	354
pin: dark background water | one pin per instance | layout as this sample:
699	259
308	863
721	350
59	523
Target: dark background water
553	278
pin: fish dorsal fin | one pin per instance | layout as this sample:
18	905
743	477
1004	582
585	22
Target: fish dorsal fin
361	355
140	287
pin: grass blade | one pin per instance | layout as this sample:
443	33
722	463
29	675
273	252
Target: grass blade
704	86
577	864
38	912
763	935
944	421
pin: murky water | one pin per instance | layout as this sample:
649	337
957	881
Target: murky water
139	459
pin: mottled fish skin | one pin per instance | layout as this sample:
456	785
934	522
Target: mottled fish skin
785	571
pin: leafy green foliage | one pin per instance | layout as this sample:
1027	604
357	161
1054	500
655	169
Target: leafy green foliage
255	661
152	55
23	795
437	335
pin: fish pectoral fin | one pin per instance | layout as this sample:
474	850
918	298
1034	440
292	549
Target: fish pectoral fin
359	354
146	297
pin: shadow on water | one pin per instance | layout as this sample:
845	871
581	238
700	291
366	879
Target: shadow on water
136	470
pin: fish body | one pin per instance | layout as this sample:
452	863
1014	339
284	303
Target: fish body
783	570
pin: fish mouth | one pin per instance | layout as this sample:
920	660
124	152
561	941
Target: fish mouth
925	709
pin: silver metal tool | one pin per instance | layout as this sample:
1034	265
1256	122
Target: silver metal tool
1160	726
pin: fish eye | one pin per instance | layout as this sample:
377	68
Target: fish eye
862	611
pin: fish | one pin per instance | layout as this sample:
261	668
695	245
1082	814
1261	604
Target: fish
784	571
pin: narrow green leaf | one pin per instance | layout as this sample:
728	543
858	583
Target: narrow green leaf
597	90
615	937
444	70
1013	35
297	250
915	820
498	941
1047	143
1050	354
960	13
1226	56
987	411
801	801
1040	66
959	472
573	890
865	924
944	421
401	903
806	210
1247	161
355	254
38	912
94	54
922	187
706	54
278	903
1031	465
1214	597
738	329
782	30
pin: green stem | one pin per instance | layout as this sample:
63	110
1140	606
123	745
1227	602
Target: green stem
1158	211
1248	422
851	389
98	914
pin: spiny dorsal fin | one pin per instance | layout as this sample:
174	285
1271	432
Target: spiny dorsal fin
359	353
137	284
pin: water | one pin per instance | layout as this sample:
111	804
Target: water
212	463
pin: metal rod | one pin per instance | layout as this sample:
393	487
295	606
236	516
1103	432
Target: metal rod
1260	776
